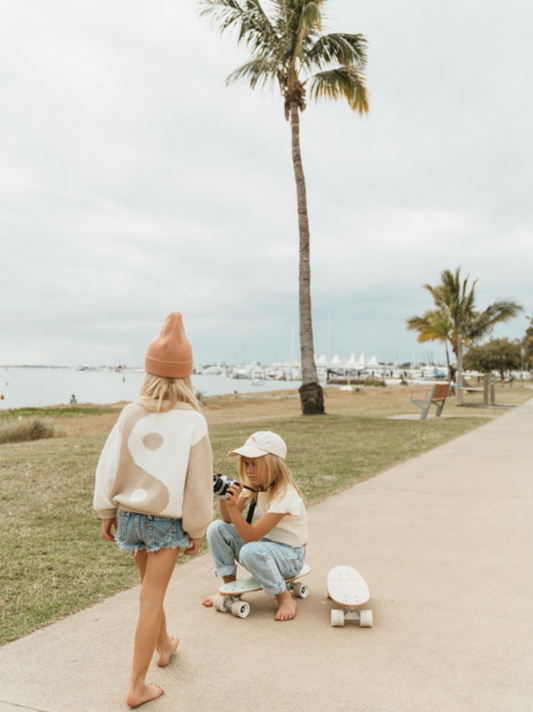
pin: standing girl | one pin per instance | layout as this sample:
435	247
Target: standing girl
156	468
272	548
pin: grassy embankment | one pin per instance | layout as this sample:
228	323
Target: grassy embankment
53	560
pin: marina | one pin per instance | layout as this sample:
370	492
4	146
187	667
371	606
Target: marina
37	387
41	386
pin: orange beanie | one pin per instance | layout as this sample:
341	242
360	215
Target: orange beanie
169	355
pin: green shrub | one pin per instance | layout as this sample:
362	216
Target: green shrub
370	381
24	430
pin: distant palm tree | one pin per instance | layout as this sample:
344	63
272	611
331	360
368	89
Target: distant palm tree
287	47
455	315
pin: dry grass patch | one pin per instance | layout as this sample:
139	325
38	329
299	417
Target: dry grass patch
30	429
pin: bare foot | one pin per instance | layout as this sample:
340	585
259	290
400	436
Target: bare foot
145	693
164	655
287	607
208	602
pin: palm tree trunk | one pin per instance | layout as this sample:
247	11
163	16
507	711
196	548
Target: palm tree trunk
311	393
447	355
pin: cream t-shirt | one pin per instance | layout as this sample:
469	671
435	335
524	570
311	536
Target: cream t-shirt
292	529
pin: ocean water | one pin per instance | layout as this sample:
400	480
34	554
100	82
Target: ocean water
32	387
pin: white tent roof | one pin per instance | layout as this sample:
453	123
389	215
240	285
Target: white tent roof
351	363
361	361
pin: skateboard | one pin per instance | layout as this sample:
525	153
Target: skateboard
229	594
348	588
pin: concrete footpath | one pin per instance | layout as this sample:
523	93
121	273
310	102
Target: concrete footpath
445	542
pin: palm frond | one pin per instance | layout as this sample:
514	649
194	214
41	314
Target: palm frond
311	16
346	82
258	72
434	325
222	13
260	26
297	21
349	50
420	324
439	295
499	312
249	20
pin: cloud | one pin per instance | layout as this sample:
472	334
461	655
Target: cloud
135	182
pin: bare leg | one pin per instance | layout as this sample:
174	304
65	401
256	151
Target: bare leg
208	602
156	569
287	606
166	644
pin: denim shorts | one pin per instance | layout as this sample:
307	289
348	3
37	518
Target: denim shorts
146	531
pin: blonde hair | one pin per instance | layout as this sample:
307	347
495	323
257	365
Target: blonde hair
278	476
159	394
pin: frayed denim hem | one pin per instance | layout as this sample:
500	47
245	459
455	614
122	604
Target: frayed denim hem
149	550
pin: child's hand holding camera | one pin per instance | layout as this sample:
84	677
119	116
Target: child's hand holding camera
233	494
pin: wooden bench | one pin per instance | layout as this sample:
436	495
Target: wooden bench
437	397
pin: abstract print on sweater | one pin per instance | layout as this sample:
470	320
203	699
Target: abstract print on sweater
160	464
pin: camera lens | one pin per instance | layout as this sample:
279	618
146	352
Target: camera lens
219	484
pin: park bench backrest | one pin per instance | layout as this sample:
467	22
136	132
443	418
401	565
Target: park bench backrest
440	391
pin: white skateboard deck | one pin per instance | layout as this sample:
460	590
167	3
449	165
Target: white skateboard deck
348	588
251	584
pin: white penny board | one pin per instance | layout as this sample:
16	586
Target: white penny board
347	587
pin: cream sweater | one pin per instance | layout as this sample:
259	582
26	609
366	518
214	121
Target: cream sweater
160	464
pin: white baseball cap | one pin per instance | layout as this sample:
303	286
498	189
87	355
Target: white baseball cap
260	444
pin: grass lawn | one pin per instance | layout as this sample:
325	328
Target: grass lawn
53	560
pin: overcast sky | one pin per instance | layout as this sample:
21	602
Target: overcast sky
134	182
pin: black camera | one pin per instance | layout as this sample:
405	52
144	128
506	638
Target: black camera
221	484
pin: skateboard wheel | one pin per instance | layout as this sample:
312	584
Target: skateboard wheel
219	603
337	618
301	590
365	620
240	609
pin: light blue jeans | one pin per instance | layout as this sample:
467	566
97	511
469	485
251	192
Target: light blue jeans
270	562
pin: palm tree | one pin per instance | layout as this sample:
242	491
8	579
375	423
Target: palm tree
288	48
455	316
